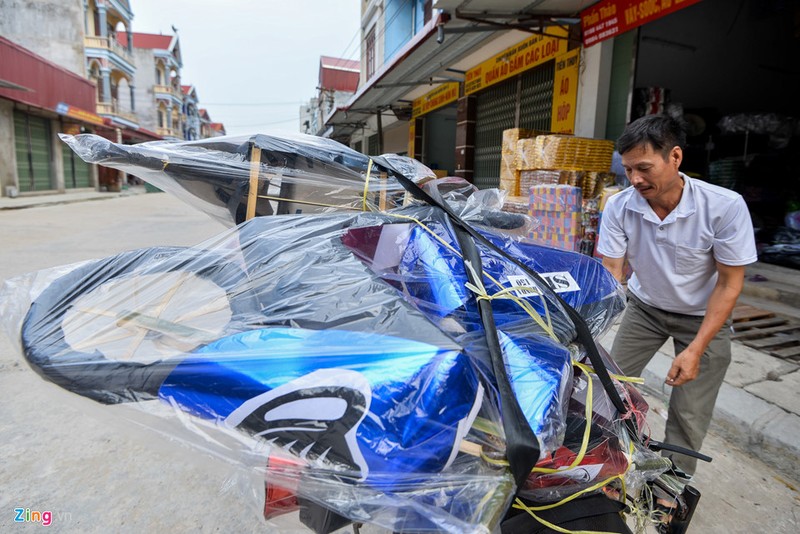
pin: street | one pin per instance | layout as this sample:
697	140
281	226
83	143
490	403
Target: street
98	472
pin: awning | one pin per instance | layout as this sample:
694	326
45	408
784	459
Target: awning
422	63
429	57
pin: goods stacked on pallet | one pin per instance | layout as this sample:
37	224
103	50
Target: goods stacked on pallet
564	178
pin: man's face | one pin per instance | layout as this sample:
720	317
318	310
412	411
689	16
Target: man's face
650	172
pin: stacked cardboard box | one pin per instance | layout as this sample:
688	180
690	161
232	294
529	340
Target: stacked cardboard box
591	183
509	161
564	153
557	213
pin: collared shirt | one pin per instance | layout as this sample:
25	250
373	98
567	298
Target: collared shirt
674	260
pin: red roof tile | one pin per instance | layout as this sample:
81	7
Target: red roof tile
146	40
339	63
338	74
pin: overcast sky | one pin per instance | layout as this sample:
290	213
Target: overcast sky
254	62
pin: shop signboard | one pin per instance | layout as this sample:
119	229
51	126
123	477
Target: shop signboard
412	133
610	18
516	59
72	112
445	94
565	92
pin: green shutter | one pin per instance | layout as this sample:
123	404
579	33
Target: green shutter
76	171
32	143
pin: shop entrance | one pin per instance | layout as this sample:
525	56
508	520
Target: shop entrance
730	71
522	102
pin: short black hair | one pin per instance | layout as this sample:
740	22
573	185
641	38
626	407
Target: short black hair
662	132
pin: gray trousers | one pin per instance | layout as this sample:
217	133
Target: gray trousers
643	330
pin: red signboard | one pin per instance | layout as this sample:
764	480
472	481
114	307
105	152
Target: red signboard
47	83
610	18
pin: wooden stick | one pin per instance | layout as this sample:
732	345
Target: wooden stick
382	198
252	195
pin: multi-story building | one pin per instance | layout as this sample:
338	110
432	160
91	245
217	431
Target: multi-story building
338	81
74	66
39	100
208	128
158	93
110	64
191	113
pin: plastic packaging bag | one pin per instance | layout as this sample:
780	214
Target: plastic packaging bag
342	356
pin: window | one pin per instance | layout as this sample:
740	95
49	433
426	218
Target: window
370	53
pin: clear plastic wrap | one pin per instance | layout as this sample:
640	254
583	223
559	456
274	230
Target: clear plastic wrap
369	309
286	174
779	128
344	357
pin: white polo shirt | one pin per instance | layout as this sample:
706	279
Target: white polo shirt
673	259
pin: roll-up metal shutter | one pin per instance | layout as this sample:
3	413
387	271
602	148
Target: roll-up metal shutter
77	173
32	143
536	99
496	110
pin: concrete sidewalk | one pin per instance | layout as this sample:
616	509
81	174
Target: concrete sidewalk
32	201
758	407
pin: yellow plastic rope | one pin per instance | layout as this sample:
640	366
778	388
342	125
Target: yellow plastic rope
493	461
547	327
507	294
621	378
518	504
366	186
309	203
586	432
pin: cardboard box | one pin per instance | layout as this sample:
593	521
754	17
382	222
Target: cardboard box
564	152
557	210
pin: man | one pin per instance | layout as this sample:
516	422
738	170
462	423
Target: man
687	242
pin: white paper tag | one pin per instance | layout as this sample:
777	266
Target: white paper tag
560	282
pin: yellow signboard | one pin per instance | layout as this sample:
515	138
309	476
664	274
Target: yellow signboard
565	92
412	133
514	60
441	96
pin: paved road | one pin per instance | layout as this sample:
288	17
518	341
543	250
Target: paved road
99	472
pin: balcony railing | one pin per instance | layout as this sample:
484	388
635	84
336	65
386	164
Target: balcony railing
163	90
107	43
169	132
106	108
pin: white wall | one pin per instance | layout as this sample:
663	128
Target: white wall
51	28
145	80
593	85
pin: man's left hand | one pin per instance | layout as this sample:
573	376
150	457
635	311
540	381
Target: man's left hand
685	368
